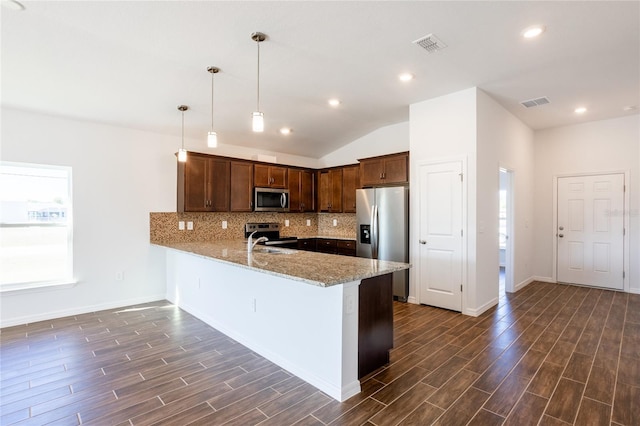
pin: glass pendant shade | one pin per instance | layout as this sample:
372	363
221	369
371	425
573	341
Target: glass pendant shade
182	155
258	121
212	140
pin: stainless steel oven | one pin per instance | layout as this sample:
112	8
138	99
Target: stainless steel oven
271	200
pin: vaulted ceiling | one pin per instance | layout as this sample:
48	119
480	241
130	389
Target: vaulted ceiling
131	63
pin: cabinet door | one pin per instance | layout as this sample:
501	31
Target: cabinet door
396	169
336	191
327	246
261	175
307	190
278	177
196	191
324	190
295	193
219	185
241	187
350	182
371	171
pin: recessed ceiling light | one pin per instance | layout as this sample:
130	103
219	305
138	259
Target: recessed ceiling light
285	130
12	5
580	110
406	77
533	32
334	102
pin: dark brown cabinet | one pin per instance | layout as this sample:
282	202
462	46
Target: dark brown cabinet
328	245
301	190
330	190
385	170
203	184
241	186
265	176
350	182
346	247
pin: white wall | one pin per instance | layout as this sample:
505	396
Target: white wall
119	176
247	153
598	146
385	140
503	141
444	128
469	124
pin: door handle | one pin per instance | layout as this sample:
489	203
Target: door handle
560	235
374	232
423	241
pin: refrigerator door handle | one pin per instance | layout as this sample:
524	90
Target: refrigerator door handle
374	232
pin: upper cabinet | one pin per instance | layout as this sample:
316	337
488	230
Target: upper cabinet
203	184
350	182
330	190
301	190
241	186
265	176
385	170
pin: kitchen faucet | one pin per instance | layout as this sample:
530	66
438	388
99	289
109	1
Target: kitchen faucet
251	244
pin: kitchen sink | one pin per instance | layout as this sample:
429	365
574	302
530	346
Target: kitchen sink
272	250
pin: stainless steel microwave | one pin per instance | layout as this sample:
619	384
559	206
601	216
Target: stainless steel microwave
271	200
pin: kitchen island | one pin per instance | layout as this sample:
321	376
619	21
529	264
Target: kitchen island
325	318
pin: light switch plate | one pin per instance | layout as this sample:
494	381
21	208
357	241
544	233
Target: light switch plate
308	222
335	222
189	226
181	225
224	224
286	222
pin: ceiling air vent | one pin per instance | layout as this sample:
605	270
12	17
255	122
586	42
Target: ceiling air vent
430	43
535	102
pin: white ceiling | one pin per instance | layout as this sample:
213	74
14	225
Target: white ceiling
130	63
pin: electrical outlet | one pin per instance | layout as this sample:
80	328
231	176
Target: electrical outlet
189	226
224	224
335	222
181	225
308	222
119	276
286	222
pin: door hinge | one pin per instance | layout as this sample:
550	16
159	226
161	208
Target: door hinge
624	231
623	274
461	177
460	288
462	232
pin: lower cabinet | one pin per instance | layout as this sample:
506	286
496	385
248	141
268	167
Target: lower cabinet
328	245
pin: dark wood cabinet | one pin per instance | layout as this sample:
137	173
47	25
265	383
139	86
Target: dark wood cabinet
330	190
203	184
385	170
301	190
350	182
241	186
346	247
375	323
327	245
307	244
265	176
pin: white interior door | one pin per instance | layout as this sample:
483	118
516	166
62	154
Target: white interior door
440	235
590	234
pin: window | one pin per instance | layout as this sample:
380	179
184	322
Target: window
35	225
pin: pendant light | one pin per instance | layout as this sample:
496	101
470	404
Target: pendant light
182	153
212	137
258	117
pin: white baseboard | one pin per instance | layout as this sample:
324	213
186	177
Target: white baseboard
544	279
634	290
412	299
45	316
480	310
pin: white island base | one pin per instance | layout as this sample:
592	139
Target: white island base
309	330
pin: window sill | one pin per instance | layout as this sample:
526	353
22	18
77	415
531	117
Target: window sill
38	287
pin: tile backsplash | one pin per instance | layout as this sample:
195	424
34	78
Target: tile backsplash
208	226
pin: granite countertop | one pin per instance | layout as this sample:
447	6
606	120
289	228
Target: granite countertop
319	269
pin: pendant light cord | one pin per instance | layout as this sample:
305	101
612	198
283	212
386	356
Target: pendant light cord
182	129
258	97
212	101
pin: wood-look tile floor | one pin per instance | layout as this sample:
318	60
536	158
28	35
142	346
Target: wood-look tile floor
549	354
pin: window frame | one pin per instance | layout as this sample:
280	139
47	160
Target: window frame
67	280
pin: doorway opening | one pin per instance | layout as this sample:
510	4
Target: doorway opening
505	227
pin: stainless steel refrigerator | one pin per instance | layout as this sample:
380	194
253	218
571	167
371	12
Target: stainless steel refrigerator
383	230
